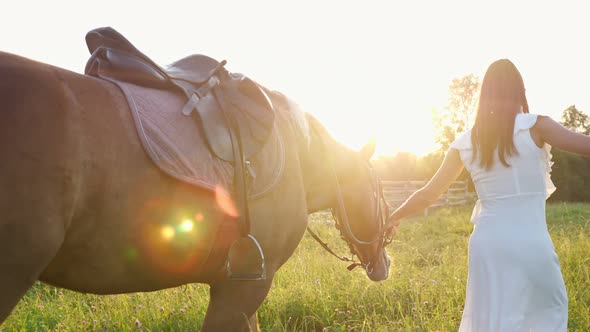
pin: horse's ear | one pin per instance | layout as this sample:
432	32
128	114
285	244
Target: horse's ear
368	150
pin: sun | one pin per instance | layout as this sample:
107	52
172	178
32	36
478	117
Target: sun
393	132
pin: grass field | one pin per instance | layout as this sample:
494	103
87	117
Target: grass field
315	292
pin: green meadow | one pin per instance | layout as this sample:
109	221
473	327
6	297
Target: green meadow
315	292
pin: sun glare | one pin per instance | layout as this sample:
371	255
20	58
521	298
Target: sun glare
187	225
225	202
393	131
168	232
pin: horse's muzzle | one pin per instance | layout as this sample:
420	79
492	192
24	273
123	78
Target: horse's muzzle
380	271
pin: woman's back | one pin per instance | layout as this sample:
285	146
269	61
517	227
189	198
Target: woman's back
524	185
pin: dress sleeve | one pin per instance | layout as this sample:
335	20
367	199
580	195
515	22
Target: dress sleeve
463	141
526	121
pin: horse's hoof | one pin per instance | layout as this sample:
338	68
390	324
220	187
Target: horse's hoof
245	260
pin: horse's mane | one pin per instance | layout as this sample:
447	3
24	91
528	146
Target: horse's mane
301	123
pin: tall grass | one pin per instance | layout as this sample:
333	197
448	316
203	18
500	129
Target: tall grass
315	292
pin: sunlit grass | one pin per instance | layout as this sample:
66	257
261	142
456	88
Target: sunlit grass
314	291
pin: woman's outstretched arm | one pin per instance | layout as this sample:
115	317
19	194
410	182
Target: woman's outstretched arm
448	172
562	138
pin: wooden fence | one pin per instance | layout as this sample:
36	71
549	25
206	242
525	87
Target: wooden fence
396	192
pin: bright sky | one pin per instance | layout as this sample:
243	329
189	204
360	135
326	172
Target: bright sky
364	68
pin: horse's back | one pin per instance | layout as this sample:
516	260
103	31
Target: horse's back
26	89
43	105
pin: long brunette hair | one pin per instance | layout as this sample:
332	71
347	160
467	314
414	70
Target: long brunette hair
502	96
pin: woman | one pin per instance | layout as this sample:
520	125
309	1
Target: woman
515	282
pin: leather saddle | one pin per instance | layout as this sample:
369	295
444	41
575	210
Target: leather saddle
236	119
217	95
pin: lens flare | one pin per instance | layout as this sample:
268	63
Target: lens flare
168	232
169	244
187	225
225	202
199	217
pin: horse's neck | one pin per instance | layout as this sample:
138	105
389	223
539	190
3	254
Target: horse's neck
291	119
319	165
319	154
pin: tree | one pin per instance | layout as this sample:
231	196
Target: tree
570	171
398	167
576	120
456	116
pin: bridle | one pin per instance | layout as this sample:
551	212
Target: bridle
381	211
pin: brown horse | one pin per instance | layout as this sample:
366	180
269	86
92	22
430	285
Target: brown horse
76	188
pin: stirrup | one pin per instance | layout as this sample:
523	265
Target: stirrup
245	260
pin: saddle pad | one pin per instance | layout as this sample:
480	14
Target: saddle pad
177	145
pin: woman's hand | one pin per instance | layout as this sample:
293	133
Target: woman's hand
391	226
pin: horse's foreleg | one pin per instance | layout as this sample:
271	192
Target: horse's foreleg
233	305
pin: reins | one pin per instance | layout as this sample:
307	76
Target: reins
328	249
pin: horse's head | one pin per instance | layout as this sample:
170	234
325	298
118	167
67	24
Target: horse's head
344	181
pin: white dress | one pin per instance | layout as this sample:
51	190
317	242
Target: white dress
515	282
